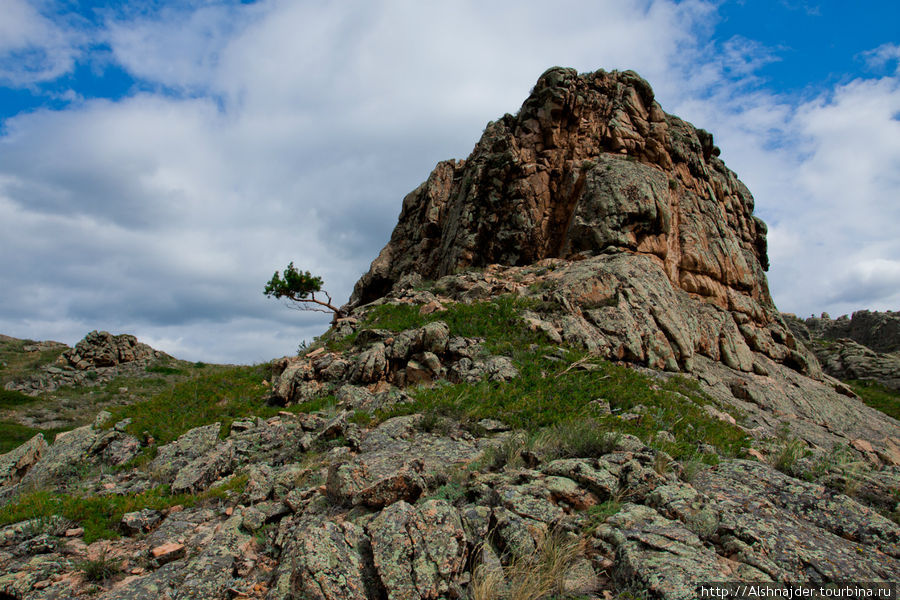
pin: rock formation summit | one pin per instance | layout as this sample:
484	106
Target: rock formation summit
589	164
592	169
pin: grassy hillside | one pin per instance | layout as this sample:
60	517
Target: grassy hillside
23	416
558	386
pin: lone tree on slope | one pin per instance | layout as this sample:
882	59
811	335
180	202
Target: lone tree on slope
300	287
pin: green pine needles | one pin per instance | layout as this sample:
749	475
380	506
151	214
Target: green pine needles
300	287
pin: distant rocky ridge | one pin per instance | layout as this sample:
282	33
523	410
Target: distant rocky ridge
863	346
878	331
97	358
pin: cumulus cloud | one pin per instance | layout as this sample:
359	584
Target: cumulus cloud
835	214
32	47
177	46
281	131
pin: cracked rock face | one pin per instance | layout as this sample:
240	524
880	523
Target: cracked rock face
590	163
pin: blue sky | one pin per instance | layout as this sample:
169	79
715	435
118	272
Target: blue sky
157	164
812	46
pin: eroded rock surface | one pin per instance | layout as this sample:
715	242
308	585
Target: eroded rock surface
589	164
405	513
865	346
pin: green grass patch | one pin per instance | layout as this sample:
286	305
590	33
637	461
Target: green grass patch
497	321
100	515
12	435
877	396
14	399
19	364
550	393
597	515
361	418
107	394
317	403
224	395
164	370
545	396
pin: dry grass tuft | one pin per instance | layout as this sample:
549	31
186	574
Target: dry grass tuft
535	577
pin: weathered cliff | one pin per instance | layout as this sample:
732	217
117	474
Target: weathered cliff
591	166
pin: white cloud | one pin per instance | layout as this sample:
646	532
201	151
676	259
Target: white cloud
883	56
32	47
825	174
177	47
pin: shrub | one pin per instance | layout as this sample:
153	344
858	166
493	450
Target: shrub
450	491
508	453
690	468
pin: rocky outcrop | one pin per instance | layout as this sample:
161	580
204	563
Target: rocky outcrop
37	465
846	359
96	359
592	167
865	346
587	525
102	349
14	464
878	331
412	357
589	164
